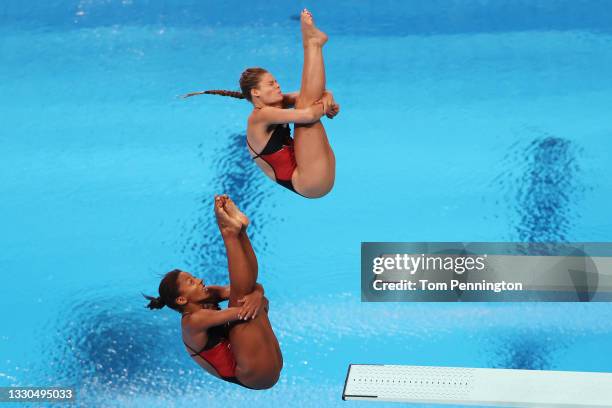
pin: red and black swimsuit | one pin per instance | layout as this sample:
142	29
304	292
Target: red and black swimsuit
218	353
279	154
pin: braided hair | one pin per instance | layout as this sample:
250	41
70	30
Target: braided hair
249	79
233	94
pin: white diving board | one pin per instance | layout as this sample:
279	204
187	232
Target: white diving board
477	386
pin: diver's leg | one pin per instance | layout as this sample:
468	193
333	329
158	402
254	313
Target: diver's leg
313	70
242	276
254	344
234	212
257	353
248	251
315	160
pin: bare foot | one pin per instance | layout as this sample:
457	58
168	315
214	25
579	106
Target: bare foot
227	225
234	212
311	35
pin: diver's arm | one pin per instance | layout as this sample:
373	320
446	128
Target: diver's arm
252	303
328	94
219	293
270	115
259	288
333	107
205	318
222	293
289	99
266	304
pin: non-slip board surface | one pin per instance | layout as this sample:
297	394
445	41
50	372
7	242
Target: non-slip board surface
478	386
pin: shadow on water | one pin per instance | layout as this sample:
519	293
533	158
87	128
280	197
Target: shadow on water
541	186
104	348
526	352
237	175
109	352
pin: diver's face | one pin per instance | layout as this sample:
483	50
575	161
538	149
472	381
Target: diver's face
268	90
191	288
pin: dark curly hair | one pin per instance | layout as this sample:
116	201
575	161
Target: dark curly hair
168	292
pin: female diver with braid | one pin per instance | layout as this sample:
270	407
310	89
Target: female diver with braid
221	341
307	165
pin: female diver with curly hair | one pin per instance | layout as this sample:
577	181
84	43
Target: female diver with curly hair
307	165
236	344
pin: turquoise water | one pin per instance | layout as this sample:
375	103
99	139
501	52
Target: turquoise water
461	121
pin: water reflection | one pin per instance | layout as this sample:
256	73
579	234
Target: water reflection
237	175
528	352
542	185
113	348
109	351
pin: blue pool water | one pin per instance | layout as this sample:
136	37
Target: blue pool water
461	121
